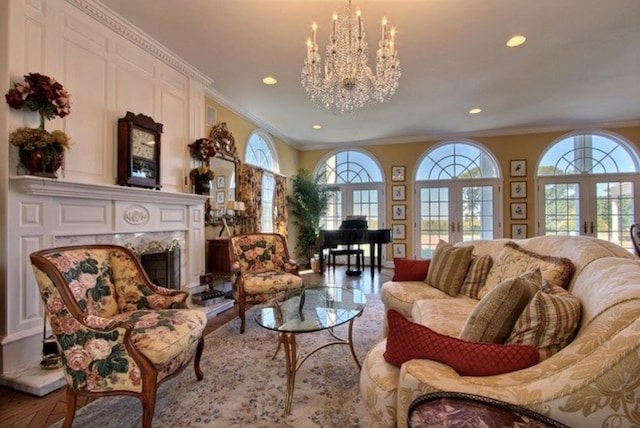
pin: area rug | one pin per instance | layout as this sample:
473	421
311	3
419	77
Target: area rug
244	386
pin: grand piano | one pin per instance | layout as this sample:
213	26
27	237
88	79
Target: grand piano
355	232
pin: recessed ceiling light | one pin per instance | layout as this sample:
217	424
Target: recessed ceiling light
317	126
516	41
269	80
475	110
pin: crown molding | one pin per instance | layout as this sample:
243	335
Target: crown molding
218	97
126	29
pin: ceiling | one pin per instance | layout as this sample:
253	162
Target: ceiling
580	66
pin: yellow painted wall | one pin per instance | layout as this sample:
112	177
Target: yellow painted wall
529	147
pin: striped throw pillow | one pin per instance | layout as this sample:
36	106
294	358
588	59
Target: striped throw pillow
476	276
449	267
549	321
495	315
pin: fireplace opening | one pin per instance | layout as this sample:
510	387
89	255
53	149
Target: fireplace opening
163	267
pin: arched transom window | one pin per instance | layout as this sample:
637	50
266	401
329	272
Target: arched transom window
586	186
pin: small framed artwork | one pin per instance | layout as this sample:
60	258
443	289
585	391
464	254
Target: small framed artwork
399	231
397	173
519	168
519	211
399	212
518	231
399	251
220	198
220	182
397	192
518	189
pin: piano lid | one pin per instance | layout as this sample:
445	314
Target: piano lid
355	222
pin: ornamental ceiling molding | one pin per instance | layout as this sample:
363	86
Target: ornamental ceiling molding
114	22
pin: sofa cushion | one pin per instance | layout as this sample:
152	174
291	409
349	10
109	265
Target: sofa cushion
548	322
514	260
449	267
270	281
446	317
408	341
476	276
410	269
401	295
495	315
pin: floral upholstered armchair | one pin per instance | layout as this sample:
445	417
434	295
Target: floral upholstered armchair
262	268
117	333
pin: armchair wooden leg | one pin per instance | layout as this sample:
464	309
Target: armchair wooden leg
148	406
71	407
196	360
241	310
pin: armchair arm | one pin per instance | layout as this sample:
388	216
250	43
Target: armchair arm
98	353
290	266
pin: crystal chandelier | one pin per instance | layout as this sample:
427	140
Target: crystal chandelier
347	82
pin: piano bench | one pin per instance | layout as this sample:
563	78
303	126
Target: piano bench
357	252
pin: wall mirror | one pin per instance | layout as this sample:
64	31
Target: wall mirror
225	169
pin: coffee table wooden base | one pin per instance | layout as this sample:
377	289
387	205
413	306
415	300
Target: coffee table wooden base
294	362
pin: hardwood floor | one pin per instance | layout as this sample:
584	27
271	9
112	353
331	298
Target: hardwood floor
19	410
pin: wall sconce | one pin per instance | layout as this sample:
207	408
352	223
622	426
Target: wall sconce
234	212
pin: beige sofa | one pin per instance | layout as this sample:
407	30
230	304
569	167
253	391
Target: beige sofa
592	382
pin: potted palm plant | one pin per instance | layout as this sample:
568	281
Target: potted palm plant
309	201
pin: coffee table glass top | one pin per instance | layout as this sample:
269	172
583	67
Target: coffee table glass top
313	309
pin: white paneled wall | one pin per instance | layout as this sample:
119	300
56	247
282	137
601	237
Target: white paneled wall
109	68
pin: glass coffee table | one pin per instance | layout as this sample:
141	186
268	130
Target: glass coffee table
306	311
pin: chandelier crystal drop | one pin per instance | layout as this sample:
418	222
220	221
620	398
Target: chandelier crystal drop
346	82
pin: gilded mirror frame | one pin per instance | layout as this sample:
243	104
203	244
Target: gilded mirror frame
226	151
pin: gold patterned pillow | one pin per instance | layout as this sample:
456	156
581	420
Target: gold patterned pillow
476	276
494	316
449	267
514	260
549	321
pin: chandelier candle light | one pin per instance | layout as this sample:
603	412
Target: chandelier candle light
348	82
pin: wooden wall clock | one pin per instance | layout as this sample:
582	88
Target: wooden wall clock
139	151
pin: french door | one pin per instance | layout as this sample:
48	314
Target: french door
459	210
599	206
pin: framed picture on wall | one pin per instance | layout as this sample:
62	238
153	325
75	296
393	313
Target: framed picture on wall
399	212
398	193
220	198
519	211
518	231
220	182
518	189
399	231
399	251
397	173
519	168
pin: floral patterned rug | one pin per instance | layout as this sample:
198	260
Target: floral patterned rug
244	387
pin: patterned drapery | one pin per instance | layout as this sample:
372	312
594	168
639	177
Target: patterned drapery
250	192
281	215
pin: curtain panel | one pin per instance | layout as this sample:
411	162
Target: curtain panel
250	192
281	214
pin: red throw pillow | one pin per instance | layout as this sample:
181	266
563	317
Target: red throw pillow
410	269
408	341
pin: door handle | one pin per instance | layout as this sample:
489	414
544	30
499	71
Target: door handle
585	227
592	228
453	227
458	227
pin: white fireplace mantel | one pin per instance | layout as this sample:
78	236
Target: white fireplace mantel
42	186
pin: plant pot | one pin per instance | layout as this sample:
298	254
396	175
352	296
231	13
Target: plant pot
202	187
42	162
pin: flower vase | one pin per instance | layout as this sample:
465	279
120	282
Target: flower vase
202	187
42	162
